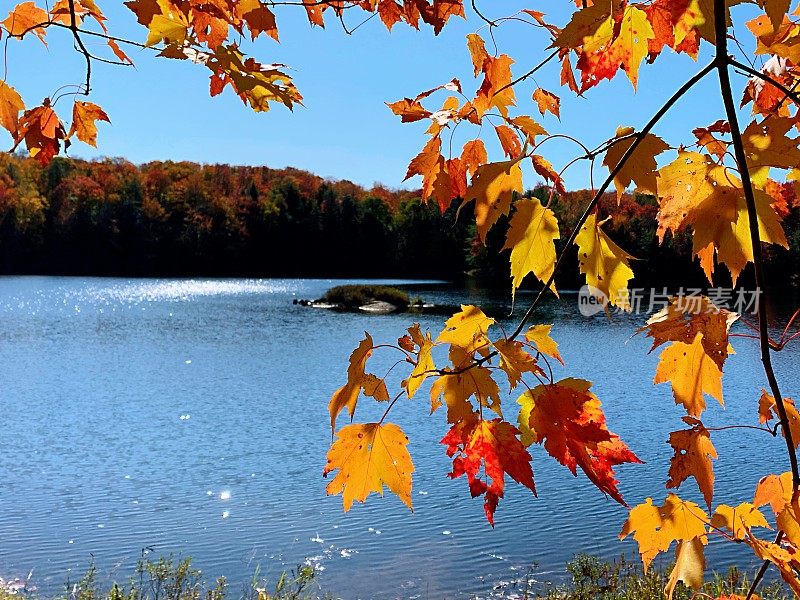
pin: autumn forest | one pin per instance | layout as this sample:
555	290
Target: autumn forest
111	217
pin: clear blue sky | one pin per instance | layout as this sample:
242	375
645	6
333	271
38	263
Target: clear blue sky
162	109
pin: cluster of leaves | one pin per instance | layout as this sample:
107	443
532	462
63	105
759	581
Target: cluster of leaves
729	190
196	30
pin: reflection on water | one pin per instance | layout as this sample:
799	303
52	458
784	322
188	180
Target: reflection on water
190	416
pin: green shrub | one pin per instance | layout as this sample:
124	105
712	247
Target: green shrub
353	296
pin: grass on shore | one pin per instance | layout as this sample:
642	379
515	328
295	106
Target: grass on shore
591	579
176	579
595	579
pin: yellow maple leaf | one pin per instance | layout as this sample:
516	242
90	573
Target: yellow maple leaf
768	144
531	235
635	32
683	318
424	366
26	18
738	519
640	168
786	558
493	187
694	191
767	409
84	121
368	457
690	564
655	527
515	360
604	263
467	329
347	395
11	105
539	335
692	373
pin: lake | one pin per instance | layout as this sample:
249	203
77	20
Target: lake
190	417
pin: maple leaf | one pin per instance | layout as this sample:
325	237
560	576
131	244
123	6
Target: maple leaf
492	188
515	360
375	387
118	52
62	13
786	559
430	164
531	234
166	22
26	18
690	564
539	335
424	365
738	520
567	419
11	105
467	329
477	51
547	102
608	36
767	99
496	90
491	446
84	121
255	83
693	191
473	156
692	373
543	167
605	264
347	395
409	110
368	457
706	140
767	409
529	127
508	141
462	382
775	490
261	20
776	10
390	13
43	131
655	527
693	455
640	167
769	145
684	317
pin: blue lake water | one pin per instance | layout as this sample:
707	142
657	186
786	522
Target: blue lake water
190	416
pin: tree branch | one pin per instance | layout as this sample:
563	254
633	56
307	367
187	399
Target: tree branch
722	62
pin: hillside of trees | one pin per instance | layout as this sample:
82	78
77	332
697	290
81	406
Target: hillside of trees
111	217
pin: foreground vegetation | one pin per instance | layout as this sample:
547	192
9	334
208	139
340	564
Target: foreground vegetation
168	578
591	578
596	579
112	217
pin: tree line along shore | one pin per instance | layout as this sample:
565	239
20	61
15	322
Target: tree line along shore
112	217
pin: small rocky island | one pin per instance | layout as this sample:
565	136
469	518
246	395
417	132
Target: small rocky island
377	299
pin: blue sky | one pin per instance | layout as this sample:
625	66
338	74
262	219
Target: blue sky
162	109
